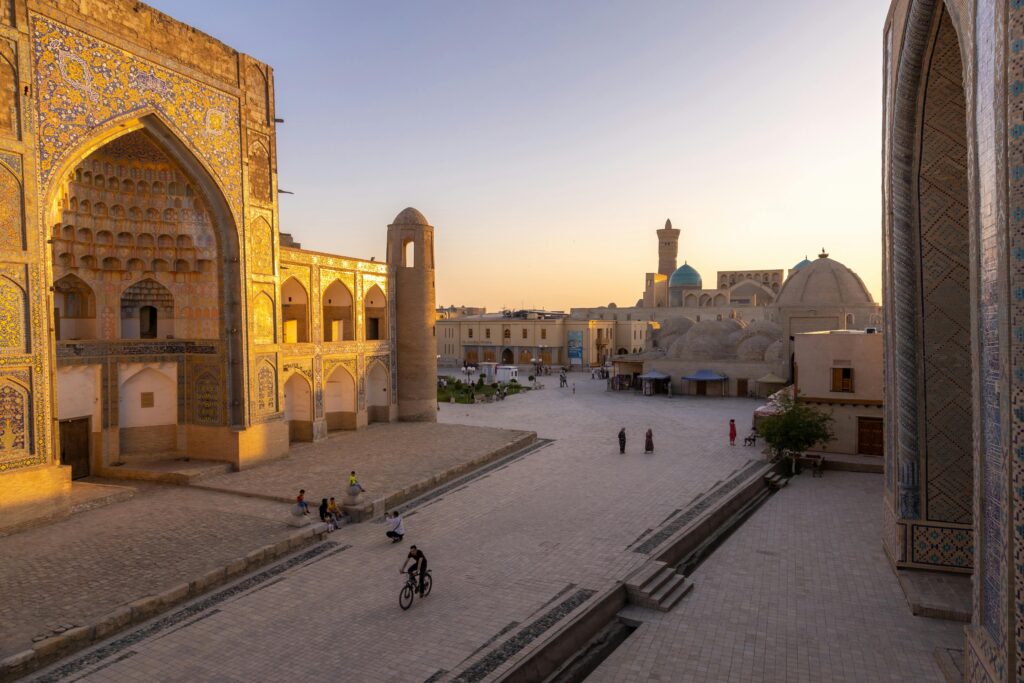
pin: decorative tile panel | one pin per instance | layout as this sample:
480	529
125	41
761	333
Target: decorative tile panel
942	546
84	84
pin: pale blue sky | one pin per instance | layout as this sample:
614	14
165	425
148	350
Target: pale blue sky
548	140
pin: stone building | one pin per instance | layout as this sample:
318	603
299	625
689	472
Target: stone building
953	221
529	337
822	294
148	305
839	372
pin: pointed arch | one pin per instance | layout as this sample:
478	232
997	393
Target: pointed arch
375	306
378	385
259	172
13	316
74	306
298	407
294	312
199	174
339	321
12	230
340	399
264	320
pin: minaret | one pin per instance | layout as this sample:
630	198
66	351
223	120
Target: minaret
411	270
668	249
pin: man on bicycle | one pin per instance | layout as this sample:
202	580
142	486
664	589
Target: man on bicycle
417	568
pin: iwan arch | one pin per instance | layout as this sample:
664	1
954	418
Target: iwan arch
149	305
953	192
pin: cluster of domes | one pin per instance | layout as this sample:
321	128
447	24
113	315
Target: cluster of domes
730	339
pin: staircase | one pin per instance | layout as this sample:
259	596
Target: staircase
657	586
775	481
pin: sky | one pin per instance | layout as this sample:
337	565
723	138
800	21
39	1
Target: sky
547	140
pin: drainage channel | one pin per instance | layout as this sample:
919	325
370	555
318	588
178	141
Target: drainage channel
597	649
606	638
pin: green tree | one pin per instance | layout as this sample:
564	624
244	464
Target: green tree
794	428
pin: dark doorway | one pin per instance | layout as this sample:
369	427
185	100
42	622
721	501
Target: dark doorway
506	357
372	329
74	446
870	436
702	388
56	323
741	387
147	322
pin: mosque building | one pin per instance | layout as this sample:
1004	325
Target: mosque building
741	328
150	306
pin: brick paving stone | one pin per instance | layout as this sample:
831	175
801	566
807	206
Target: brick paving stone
500	549
386	458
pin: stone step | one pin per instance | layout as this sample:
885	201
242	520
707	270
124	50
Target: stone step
658	581
658	596
644	574
673	598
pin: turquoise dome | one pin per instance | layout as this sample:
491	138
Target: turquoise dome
805	262
685	276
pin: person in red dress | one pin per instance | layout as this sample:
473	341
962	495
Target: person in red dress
732	432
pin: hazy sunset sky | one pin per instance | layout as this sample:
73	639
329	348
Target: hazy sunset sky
547	140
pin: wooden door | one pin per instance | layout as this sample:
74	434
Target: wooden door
74	446
870	436
741	387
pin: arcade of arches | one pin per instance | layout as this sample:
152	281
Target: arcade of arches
144	283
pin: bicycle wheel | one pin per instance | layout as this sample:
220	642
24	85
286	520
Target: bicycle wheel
428	583
405	597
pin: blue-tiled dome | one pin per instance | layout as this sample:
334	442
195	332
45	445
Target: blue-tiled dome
685	276
805	262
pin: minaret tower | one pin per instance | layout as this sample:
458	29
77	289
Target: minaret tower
411	271
668	249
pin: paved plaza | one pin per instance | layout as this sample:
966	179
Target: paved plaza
78	569
801	589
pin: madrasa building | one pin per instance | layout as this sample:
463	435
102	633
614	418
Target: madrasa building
740	329
149	304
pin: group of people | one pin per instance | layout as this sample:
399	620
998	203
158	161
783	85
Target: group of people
649	438
331	513
648	441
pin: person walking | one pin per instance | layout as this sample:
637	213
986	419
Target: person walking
397	528
732	432
574	388
649	441
622	440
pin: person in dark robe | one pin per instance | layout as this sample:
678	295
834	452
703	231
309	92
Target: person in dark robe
649	441
622	440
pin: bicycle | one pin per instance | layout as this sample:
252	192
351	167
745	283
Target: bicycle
405	596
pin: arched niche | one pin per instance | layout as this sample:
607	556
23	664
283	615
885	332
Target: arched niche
375	305
148	138
340	399
377	393
298	408
294	312
148	411
74	309
339	323
263	319
147	311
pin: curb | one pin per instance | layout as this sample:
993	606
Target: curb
59	646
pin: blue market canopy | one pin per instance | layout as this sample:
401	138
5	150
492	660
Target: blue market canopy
654	374
705	376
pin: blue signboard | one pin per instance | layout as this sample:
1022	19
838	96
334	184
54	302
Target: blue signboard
575	347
